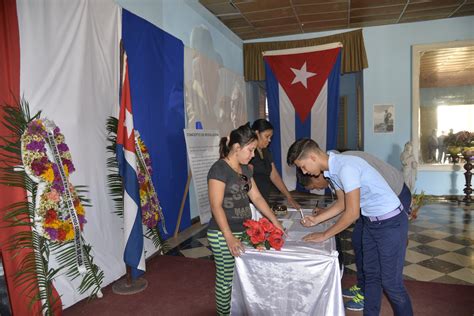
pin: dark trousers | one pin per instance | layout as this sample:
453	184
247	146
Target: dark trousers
384	245
405	199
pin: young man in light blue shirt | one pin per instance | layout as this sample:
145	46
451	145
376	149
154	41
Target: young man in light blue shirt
361	189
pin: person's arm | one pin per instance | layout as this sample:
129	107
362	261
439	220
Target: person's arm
278	182
258	200
216	197
335	209
350	214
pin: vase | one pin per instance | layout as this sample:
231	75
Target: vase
454	152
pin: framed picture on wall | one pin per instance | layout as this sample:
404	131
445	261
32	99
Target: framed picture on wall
384	118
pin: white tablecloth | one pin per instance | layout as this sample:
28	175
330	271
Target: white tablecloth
301	279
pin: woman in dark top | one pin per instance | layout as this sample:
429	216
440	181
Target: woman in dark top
230	187
265	173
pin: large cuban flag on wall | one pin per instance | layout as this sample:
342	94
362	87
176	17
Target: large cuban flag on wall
303	93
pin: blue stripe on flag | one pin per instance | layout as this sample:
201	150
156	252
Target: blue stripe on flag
333	104
302	130
134	244
273	99
156	66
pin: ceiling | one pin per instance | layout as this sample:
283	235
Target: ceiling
446	67
251	19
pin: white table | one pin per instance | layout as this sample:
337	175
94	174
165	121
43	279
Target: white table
301	279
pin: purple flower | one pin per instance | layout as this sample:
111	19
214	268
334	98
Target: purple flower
35	145
82	219
38	167
53	233
36	127
57	183
56	131
63	147
70	166
141	178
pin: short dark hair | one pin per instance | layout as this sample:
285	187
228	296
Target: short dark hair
262	125
303	179
299	150
243	135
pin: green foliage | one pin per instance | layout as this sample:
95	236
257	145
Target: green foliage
34	273
418	199
114	182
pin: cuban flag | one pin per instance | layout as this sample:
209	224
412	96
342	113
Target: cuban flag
303	93
134	255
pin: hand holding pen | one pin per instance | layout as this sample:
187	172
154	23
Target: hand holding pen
316	210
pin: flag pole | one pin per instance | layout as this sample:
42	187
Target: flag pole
183	201
129	286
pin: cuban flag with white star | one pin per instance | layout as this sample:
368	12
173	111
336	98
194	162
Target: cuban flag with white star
134	255
303	93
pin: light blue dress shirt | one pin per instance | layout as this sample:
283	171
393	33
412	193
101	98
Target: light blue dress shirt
350	172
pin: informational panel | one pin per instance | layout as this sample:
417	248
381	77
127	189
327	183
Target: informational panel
203	150
214	95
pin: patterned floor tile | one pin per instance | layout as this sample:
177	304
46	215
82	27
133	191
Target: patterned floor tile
421	273
204	241
416	229
198	252
450	230
421	238
427	224
435	234
429	251
459	240
465	274
458	259
351	267
412	243
466	251
346	244
348	258
445	245
440	265
414	257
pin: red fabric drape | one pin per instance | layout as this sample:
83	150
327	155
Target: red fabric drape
9	94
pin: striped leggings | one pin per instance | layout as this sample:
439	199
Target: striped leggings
224	269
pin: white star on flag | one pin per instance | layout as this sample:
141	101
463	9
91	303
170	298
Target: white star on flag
128	123
301	75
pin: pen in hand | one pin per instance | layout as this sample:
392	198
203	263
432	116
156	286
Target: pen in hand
302	215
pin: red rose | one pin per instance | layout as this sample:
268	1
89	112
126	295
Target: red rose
276	241
61	234
50	217
250	223
267	225
277	231
258	236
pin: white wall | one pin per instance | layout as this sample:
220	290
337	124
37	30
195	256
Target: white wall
388	81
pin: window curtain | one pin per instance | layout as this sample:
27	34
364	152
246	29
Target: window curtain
354	57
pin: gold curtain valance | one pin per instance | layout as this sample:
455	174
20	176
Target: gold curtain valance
353	52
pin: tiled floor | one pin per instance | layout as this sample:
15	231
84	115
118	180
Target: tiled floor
440	248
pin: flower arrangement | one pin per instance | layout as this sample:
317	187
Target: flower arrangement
36	159
417	201
52	217
262	234
460	142
150	205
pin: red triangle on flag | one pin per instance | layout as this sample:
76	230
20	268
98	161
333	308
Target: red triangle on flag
303	75
125	134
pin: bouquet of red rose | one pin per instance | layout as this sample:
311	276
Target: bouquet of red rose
262	234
